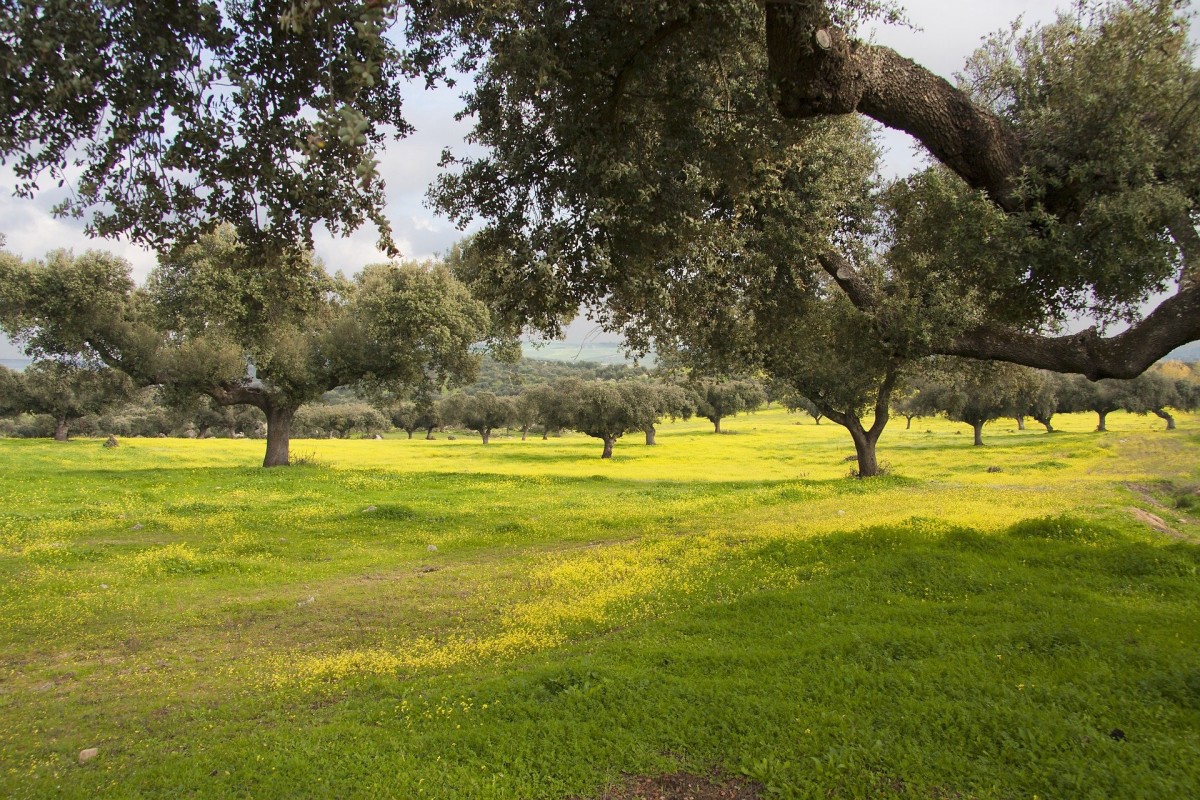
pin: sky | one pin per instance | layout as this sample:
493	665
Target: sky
943	34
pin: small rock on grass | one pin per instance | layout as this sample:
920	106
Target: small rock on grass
432	548
370	510
88	754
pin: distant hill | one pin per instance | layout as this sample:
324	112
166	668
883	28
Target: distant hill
1189	353
594	352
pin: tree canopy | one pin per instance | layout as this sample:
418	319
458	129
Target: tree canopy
629	145
208	323
165	120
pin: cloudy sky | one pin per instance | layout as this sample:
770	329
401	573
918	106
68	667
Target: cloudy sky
943	35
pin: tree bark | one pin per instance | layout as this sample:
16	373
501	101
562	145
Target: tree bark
908	424
486	433
978	427
61	430
410	433
864	449
524	432
716	425
1020	422
651	435
279	434
429	434
1163	414
1103	426
608	447
545	434
1046	422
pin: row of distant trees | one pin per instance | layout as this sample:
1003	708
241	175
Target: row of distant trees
98	401
976	393
103	401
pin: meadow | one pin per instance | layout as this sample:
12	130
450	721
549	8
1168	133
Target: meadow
403	618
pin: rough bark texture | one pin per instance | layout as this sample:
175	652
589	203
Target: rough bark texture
651	435
716	425
279	434
60	429
524	433
978	428
1020	422
1046	422
486	433
1103	425
1163	414
608	447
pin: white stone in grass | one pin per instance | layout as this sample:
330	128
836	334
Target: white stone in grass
88	754
432	548
309	601
104	586
136	527
370	510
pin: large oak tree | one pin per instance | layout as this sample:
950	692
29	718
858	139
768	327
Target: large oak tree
621	134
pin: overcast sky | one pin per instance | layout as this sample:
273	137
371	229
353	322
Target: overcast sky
944	34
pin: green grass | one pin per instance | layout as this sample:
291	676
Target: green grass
527	621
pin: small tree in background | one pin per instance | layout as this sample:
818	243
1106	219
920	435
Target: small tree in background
68	392
1102	397
664	400
607	410
526	413
716	399
554	405
976	392
482	413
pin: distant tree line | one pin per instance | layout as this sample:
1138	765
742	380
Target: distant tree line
977	392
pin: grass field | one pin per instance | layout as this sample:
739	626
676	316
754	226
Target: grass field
440	619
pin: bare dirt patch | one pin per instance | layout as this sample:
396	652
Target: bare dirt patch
682	786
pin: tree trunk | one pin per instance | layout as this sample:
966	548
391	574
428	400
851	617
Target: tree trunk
486	433
1103	426
608	447
978	426
60	430
429	434
1046	422
716	425
908	425
1163	414
279	435
1020	422
864	449
650	434
410	433
524	432
545	434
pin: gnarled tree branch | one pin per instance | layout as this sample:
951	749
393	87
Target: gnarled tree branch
821	71
1173	324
